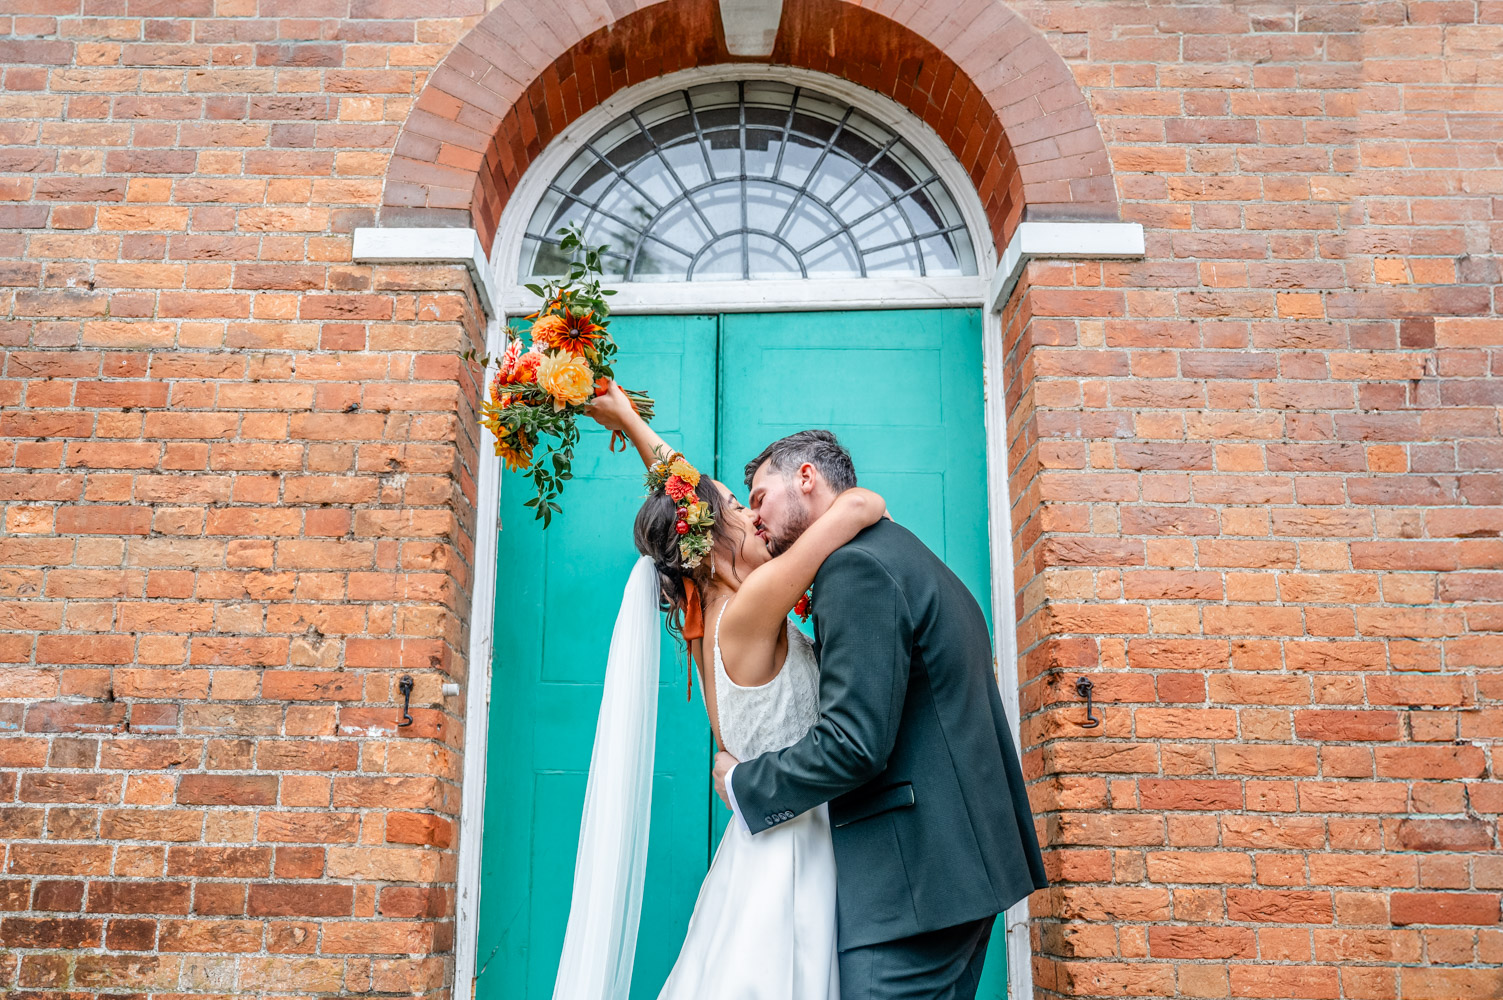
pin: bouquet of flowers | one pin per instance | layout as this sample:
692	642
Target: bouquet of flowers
541	390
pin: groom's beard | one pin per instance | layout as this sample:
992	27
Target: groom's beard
798	522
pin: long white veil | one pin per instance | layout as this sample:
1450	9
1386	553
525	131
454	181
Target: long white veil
610	868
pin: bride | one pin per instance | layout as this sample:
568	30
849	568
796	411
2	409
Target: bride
763	927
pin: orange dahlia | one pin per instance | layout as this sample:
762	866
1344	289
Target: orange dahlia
512	442
500	397
546	330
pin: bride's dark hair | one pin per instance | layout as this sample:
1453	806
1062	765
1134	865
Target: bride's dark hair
656	538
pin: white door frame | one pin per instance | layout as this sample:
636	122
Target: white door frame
501	294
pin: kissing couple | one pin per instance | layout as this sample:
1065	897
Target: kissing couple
881	819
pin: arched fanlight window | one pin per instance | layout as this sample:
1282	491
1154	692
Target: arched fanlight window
751	179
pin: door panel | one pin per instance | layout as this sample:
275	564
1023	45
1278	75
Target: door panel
902	389
557	597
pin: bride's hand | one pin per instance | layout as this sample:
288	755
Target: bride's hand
612	409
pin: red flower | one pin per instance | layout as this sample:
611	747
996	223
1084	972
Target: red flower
527	367
677	488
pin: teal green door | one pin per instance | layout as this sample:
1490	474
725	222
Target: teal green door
902	389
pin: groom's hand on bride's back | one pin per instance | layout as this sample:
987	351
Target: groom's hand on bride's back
723	764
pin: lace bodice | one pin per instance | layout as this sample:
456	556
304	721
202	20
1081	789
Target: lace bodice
771	716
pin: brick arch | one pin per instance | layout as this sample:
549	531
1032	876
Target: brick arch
983	78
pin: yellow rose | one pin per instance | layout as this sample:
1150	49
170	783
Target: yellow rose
699	515
684	471
566	378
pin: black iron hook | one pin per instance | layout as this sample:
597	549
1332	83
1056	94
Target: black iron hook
405	686
1083	688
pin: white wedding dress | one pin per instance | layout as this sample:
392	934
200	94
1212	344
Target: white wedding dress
763	927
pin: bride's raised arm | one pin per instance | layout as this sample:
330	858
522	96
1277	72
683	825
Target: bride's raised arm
771	590
614	412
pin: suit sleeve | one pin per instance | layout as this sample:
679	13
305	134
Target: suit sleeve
866	638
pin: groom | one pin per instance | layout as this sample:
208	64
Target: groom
931	825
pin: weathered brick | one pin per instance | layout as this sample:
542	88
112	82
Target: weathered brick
212	936
139	897
219	862
292	900
1445	835
1470	908
51	932
223	790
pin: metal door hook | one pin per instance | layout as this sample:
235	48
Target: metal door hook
1083	688
405	686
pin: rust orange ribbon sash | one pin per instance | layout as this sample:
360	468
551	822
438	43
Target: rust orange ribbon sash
694	626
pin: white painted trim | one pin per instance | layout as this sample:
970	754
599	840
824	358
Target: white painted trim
751	26
1004	623
797	295
434	245
477	712
1086	240
507	252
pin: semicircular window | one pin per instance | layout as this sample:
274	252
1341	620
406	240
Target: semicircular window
746	180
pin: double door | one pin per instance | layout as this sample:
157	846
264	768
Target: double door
903	391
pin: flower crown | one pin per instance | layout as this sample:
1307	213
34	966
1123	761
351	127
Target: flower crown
673	475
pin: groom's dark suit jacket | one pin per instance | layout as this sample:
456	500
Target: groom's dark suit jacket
912	749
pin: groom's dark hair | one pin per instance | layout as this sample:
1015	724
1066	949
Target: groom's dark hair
819	448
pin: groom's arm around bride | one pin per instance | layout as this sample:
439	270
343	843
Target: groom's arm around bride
932	829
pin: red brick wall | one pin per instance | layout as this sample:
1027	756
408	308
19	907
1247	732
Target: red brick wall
1256	483
238	506
225	543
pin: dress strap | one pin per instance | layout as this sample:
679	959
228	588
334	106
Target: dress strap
718	672
719	663
717	624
